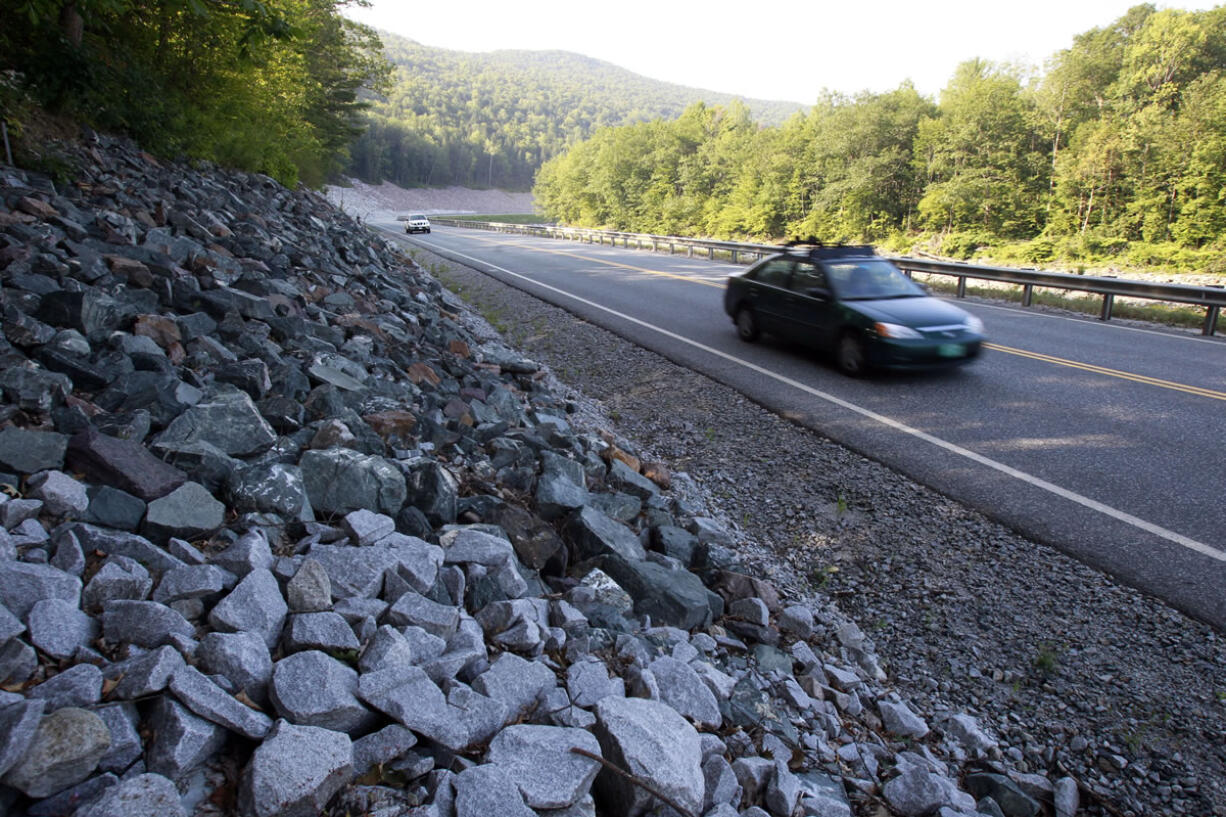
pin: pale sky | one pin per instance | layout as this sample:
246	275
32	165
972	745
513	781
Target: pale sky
764	49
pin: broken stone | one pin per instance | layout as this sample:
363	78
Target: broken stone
64	750
540	761
313	689
295	771
649	739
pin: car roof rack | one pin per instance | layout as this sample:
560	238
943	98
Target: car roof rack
813	248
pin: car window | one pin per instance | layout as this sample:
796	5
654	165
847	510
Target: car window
774	272
870	278
806	278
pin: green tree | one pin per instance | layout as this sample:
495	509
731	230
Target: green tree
981	159
268	85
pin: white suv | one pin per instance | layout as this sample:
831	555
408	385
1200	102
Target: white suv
417	224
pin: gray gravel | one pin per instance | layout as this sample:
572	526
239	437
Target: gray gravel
1072	672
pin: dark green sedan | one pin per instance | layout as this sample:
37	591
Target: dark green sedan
853	304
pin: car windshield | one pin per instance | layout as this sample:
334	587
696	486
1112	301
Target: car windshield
417	218
870	279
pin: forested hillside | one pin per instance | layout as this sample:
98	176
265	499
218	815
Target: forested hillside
490	119
1117	150
264	85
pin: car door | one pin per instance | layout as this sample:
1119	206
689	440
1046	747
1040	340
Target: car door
766	293
811	313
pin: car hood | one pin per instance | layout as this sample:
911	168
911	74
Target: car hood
910	311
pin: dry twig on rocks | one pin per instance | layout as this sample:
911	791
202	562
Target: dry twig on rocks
635	779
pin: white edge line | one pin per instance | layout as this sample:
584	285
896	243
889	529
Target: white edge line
1064	493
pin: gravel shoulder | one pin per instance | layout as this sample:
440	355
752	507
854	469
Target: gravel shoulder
1070	670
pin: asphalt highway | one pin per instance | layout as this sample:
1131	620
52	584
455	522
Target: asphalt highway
1105	440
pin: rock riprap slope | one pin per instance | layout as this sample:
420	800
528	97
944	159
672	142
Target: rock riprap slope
285	532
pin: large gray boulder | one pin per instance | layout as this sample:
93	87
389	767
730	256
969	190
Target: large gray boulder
919	791
669	595
683	690
229	421
591	533
339	480
23	584
187	512
28	452
145	795
254	605
64	750
313	689
144	623
182	741
18	723
199	694
295	772
540	760
59	628
486	790
360	571
648	739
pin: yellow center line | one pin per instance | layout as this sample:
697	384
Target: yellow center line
1058	361
1136	378
644	270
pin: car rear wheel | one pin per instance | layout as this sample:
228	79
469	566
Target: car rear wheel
747	325
849	356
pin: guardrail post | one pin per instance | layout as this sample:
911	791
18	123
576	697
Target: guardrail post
1108	303
734	256
1211	321
961	286
1027	294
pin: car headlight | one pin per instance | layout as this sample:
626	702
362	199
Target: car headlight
893	330
973	324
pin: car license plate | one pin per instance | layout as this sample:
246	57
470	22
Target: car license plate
952	350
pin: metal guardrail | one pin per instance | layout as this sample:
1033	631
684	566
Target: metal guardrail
1211	299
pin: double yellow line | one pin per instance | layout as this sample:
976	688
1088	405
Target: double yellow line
1088	367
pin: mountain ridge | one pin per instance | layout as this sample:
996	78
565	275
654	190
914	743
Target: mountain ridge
489	119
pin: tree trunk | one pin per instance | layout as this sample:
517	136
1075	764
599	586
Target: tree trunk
71	23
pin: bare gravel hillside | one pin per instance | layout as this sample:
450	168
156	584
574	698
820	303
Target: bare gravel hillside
386	201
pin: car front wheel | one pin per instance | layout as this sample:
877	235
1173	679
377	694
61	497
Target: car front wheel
849	356
747	325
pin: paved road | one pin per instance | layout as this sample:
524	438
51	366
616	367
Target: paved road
1106	441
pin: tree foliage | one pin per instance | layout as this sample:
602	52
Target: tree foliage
266	85
490	120
1119	142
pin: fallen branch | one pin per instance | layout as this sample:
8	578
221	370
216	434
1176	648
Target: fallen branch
635	779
